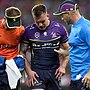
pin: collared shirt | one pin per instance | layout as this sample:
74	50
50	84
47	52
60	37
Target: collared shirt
43	43
79	41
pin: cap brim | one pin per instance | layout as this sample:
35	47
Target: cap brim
57	13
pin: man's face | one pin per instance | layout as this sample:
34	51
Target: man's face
66	17
42	22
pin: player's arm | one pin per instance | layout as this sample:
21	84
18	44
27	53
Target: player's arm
31	74
63	60
65	54
23	50
62	52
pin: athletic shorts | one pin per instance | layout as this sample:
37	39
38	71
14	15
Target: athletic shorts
77	85
46	80
4	84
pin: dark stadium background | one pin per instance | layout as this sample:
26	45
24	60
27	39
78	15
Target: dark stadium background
26	5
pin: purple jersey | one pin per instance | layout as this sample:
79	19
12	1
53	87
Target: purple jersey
43	43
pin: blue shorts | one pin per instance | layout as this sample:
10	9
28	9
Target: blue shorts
77	85
46	80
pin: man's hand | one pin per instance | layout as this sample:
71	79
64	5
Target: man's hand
60	72
86	80
61	52
31	80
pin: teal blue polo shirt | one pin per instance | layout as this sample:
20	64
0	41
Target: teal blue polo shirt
79	41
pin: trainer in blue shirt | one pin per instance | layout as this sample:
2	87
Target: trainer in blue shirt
79	41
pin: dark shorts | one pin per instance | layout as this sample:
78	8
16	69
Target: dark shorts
4	82
77	85
4	85
46	80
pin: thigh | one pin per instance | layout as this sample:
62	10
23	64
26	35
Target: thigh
41	80
53	84
4	85
77	85
73	85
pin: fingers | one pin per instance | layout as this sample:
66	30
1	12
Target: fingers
32	82
86	82
34	79
58	74
27	82
57	51
36	74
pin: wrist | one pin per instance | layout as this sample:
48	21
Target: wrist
62	66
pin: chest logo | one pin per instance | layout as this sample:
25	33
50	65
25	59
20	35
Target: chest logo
53	35
37	35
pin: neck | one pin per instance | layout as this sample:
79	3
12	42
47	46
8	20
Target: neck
48	23
76	17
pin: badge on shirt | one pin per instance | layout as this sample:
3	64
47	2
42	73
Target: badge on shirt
37	35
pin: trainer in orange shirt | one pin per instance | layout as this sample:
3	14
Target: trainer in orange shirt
11	30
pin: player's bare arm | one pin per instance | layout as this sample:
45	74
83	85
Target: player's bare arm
63	62
62	51
31	74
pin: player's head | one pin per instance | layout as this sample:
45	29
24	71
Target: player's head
67	10
40	16
12	16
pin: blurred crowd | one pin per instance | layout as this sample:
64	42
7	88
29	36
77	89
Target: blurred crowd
26	5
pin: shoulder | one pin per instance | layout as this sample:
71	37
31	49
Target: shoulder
30	27
84	22
58	26
22	28
85	25
29	30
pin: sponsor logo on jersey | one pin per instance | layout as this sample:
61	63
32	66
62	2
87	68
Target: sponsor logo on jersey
9	46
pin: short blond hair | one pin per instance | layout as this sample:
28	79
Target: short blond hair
38	9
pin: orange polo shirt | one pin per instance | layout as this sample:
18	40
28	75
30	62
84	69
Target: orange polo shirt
9	41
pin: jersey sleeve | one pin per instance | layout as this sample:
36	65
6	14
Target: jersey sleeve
25	36
64	34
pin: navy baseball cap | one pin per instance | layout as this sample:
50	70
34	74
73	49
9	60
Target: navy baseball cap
66	6
13	19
